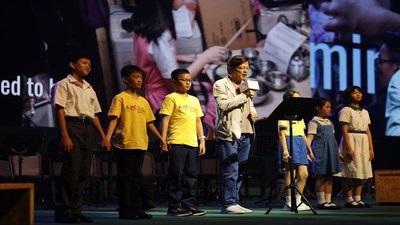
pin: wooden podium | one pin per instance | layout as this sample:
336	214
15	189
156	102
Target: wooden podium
17	203
387	186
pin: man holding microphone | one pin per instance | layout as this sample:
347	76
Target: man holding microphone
234	129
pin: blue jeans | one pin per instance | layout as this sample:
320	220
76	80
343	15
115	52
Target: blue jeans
233	158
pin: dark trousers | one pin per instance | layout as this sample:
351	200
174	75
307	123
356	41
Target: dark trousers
130	178
182	175
75	172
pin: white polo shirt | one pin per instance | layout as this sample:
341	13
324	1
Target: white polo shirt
77	101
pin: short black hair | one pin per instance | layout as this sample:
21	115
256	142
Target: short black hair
236	61
129	69
319	104
75	56
348	91
175	74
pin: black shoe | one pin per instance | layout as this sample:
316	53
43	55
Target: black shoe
195	211
148	205
349	205
328	206
363	204
323	206
127	215
84	219
66	219
178	212
334	206
142	214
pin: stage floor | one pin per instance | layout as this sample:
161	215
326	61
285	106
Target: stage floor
378	214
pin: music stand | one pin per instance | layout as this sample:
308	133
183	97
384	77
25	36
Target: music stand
21	145
297	108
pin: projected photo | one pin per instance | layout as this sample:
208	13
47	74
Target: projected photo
304	45
352	43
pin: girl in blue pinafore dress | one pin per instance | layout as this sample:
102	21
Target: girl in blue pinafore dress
321	134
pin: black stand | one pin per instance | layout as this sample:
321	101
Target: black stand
109	193
212	147
265	142
105	160
273	191
293	109
29	123
21	145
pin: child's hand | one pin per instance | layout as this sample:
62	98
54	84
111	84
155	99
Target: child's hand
371	155
164	147
341	157
66	143
214	54
310	156
350	154
105	144
285	156
202	147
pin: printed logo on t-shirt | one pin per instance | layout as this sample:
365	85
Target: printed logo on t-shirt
134	108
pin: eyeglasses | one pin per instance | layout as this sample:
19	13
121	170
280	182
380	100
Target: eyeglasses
382	61
185	80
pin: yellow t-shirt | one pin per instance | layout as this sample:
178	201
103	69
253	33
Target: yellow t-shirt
298	127
183	110
133	114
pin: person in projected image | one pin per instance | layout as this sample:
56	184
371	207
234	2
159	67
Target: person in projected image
372	19
388	65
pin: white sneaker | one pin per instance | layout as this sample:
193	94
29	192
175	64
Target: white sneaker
303	207
245	210
233	209
287	207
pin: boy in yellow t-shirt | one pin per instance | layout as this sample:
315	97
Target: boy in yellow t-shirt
182	126
130	116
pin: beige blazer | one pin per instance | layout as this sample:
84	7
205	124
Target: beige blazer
229	110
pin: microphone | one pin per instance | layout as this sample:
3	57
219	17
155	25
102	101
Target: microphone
249	85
